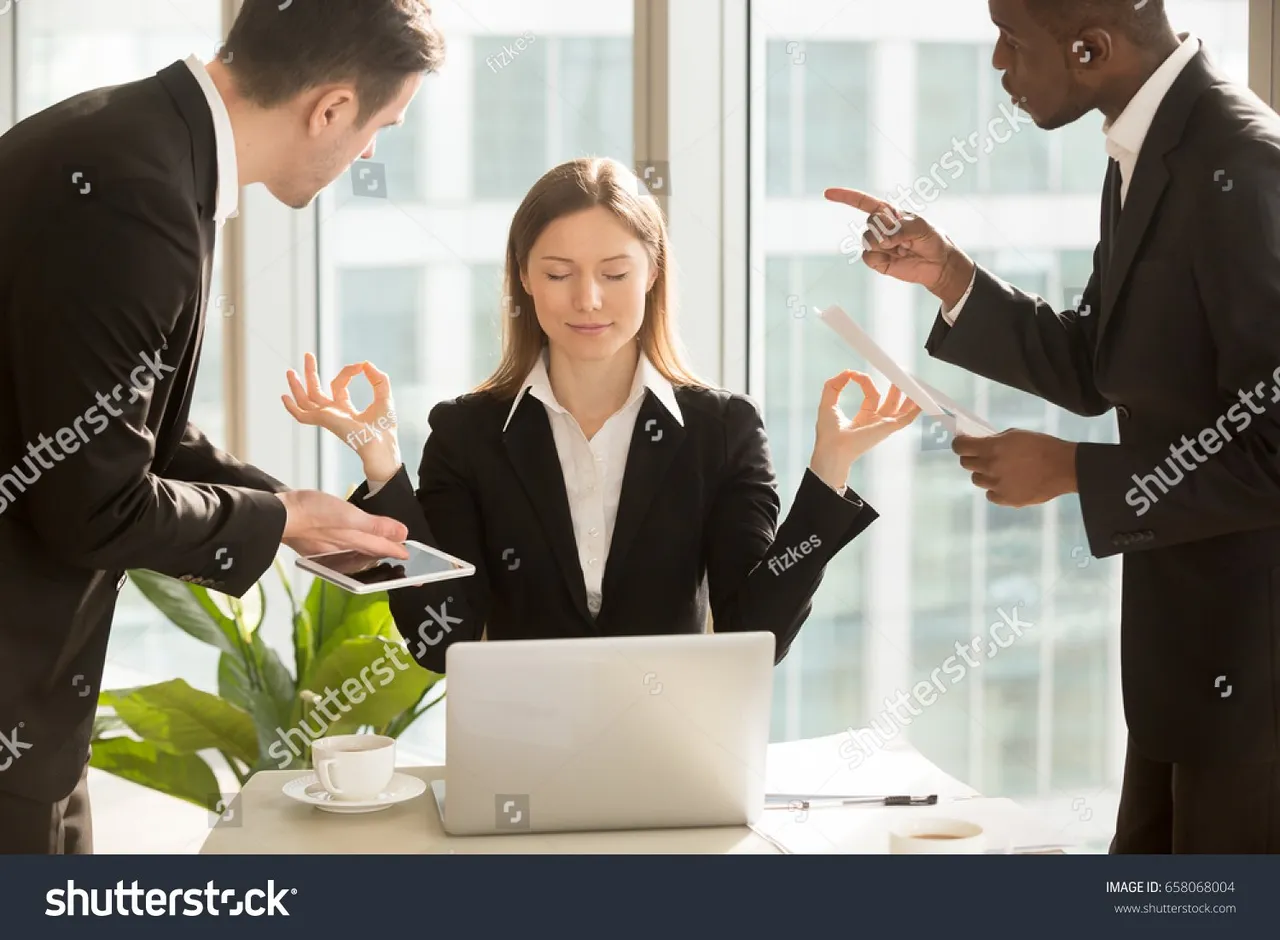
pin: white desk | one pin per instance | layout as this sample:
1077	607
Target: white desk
271	823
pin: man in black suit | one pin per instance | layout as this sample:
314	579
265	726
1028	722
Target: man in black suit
1178	332
112	203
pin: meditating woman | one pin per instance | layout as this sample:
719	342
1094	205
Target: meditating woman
598	486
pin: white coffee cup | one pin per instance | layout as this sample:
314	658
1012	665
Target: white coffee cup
936	836
354	766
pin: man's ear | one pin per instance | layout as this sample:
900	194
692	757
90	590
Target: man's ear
327	107
1091	49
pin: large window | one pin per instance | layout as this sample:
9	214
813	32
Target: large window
873	102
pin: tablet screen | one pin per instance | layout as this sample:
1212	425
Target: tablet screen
369	569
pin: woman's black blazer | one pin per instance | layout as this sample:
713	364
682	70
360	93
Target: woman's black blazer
697	527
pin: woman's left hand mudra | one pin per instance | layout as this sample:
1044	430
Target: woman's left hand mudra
840	440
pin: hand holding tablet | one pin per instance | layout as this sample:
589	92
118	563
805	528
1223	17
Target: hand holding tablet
366	574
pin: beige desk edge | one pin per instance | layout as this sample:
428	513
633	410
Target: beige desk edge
270	823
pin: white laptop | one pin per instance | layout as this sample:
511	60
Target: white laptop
606	733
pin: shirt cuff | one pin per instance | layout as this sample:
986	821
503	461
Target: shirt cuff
950	315
374	487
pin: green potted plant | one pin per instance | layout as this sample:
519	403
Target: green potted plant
351	673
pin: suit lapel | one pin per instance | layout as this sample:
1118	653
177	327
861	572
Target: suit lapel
1150	180
654	442
186	93
531	448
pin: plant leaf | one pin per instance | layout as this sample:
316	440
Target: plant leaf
251	609
106	724
181	720
185	776
369	686
338	615
268	714
304	642
189	608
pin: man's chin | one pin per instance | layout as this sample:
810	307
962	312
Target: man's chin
1057	121
300	202
294	200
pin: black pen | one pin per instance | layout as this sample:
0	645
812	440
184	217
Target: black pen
796	801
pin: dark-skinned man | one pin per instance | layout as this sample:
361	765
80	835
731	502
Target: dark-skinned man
1179	333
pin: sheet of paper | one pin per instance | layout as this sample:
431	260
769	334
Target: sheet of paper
966	421
838	764
864	830
932	402
869	349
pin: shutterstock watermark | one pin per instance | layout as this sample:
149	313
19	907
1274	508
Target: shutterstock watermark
353	690
70	439
439	624
863	742
73	901
1141	496
929	186
12	746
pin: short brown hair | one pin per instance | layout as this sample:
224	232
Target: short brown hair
275	54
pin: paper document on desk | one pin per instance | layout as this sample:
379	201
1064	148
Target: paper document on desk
836	764
864	830
955	417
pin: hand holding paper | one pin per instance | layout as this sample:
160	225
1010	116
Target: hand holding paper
1019	468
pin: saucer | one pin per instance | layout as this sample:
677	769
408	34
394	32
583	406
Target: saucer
308	789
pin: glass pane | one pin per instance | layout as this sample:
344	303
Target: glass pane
1015	152
410	278
380	326
595	85
827	80
70	46
511	130
836	94
947	109
943	572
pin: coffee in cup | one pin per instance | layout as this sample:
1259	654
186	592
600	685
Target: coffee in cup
354	767
936	836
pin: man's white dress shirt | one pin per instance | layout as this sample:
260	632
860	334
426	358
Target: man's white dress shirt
228	193
1125	135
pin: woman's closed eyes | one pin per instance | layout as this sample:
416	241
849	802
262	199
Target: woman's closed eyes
612	277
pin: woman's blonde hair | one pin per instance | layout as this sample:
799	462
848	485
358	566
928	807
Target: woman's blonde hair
573	187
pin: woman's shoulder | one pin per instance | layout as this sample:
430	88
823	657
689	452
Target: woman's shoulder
718	404
472	410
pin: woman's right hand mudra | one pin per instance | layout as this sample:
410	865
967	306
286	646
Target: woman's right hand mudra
371	433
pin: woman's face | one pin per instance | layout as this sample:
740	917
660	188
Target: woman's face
588	276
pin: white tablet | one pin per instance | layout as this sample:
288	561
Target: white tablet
366	574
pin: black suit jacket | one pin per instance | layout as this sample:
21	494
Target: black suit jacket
697	528
1181	315
104	280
